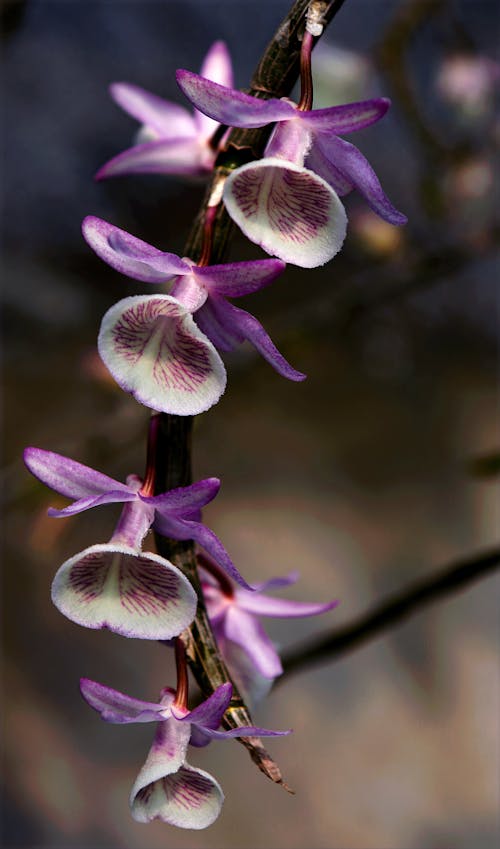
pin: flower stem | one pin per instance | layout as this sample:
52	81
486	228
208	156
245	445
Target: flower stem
181	694
148	484
306	83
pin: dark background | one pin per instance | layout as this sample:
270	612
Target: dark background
376	470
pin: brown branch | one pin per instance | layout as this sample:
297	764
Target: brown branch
274	77
389	613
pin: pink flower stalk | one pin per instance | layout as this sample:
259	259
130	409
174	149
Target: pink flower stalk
170	141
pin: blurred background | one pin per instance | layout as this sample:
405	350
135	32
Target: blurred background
379	468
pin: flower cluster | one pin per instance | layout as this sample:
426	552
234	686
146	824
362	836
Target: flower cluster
165	350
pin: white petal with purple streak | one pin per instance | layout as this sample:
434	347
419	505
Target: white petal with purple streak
154	350
132	593
188	798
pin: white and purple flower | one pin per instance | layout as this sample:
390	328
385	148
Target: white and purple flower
170	141
161	347
288	201
168	787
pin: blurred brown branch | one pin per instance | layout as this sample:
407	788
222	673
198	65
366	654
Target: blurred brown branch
389	613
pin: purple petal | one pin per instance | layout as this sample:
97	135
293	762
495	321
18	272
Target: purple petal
224	337
114	497
229	106
131	593
168	120
235	279
69	478
129	255
166	756
317	161
209	713
287	210
218	68
154	350
351	162
117	707
184	529
286	608
246	326
245	630
348	117
185	499
189	798
276	583
182	156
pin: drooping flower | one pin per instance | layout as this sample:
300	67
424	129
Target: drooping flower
292	210
234	615
198	290
168	787
175	514
171	141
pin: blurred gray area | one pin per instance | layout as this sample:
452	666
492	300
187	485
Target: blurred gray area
371	473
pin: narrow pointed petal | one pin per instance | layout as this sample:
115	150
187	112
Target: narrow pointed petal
132	593
117	707
129	255
244	325
317	161
245	630
113	497
154	350
276	583
224	337
229	106
190	798
348	117
287	210
262	605
210	712
351	162
218	68
235	279
246	731
68	477
168	120
183	529
185	499
182	156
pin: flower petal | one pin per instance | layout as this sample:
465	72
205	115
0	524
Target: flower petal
276	583
67	476
166	756
185	499
243	325
317	161
168	120
229	106
132	593
244	731
287	210
209	713
117	707
154	350
116	496
348	117
234	279
182	156
218	68
286	608
190	798
351	162
129	255
183	529
245	630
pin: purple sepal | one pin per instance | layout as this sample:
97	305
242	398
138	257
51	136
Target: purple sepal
210	712
87	503
69	478
235	279
185	499
179	156
117	707
346	118
167	120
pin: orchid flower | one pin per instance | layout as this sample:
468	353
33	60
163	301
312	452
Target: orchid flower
138	337
174	514
168	787
278	203
234	613
171	141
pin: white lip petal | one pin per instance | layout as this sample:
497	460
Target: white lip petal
287	210
154	350
188	798
132	593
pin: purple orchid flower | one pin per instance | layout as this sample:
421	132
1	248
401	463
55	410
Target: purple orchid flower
149	343
171	141
174	514
168	787
290	210
233	612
